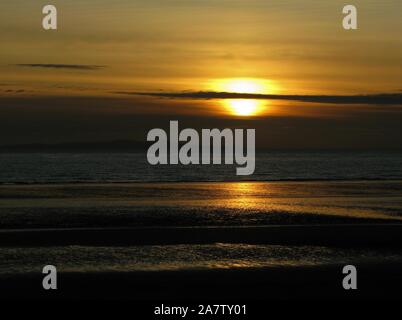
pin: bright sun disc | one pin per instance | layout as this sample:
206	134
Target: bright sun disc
242	85
243	107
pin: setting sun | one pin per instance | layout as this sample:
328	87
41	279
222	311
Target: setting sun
243	85
244	107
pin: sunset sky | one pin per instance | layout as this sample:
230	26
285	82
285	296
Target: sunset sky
77	84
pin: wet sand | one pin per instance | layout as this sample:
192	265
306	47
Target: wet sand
246	240
342	235
199	204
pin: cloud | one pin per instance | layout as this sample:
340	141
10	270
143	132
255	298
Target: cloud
15	91
61	66
375	99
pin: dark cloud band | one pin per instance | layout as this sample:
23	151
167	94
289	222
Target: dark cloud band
376	99
60	66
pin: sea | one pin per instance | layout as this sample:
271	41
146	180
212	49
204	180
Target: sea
48	168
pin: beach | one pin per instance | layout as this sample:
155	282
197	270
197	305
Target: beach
198	204
176	240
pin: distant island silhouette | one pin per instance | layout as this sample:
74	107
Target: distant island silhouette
86	147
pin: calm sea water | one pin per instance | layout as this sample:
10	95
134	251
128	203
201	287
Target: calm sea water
131	167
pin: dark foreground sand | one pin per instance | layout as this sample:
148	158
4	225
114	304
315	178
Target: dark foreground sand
375	281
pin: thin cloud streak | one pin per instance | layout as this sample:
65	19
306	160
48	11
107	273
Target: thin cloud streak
372	99
60	66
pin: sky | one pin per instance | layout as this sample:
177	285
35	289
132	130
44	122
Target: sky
285	63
